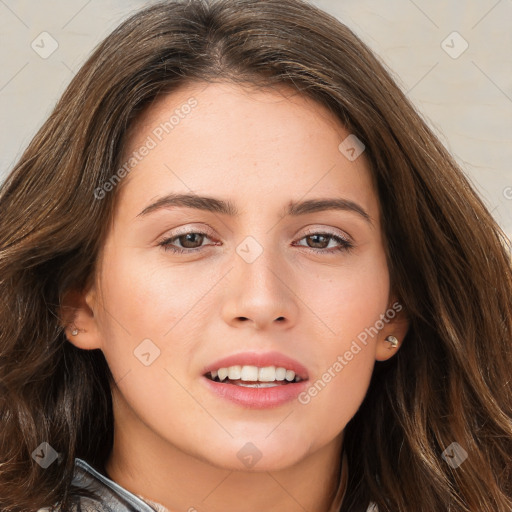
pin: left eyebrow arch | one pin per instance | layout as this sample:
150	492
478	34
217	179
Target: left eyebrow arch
214	205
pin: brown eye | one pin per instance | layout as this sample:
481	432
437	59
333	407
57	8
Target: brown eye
319	242
188	242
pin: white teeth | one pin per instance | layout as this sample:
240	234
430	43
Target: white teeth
255	374
280	373
234	372
290	375
249	373
267	374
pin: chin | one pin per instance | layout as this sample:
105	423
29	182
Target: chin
256	454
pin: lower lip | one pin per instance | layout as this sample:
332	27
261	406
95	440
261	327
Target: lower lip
257	398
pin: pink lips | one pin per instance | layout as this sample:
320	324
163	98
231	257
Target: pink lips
257	398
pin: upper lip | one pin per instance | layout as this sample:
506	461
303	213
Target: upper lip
260	359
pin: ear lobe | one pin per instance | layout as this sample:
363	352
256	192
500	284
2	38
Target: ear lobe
398	327
78	319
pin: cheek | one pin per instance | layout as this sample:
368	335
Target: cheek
144	324
348	299
343	372
334	397
349	307
151	294
146	298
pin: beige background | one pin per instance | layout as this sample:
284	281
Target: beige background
467	99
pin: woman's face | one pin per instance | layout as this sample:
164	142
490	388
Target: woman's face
265	279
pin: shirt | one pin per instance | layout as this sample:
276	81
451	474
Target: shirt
111	497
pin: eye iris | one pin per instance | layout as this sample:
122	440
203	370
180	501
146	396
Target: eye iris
188	238
315	243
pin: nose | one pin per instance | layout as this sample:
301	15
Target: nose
260	294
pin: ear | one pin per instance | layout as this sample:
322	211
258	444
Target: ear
396	323
77	313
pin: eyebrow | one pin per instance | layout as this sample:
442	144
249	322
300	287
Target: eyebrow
214	205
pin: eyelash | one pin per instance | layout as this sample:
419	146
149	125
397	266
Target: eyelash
345	245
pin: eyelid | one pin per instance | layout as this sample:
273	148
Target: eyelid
328	231
188	228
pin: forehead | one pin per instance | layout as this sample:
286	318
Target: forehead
213	99
227	139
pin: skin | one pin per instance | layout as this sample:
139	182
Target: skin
176	443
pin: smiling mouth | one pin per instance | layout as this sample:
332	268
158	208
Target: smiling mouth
254	376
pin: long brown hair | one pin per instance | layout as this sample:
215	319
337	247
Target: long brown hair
449	382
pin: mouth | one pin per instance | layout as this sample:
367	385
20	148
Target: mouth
249	376
256	380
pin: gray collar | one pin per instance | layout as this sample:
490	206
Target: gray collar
111	497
